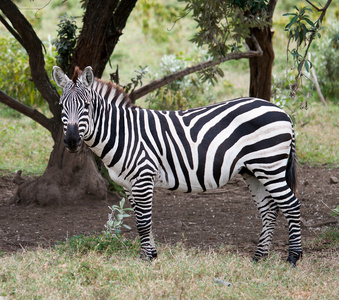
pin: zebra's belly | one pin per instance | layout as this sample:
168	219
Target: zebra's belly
119	179
184	184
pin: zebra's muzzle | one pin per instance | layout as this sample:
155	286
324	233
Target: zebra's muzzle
72	139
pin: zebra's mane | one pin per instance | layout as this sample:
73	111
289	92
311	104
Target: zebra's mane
111	92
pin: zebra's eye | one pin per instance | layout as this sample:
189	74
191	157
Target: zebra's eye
86	105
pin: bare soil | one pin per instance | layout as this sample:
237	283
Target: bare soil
226	216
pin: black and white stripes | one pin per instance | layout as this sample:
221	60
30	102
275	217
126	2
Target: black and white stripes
191	151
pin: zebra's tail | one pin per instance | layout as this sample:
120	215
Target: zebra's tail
291	170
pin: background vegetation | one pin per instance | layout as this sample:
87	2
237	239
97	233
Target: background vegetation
161	45
86	267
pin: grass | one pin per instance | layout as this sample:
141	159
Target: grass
178	273
25	145
328	239
317	134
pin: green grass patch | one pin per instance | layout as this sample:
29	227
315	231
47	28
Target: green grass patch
25	145
101	243
178	273
317	131
328	239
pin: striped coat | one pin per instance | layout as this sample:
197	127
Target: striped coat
190	151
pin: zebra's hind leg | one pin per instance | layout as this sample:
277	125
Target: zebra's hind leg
140	197
289	205
268	212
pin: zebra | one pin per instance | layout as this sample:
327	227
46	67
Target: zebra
189	150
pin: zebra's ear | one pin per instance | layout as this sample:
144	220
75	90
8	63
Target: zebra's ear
59	77
87	77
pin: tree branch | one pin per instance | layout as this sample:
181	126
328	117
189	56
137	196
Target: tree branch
271	7
11	30
319	21
26	110
315	7
158	83
23	31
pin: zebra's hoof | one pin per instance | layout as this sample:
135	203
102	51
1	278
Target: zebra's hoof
148	255
293	258
256	258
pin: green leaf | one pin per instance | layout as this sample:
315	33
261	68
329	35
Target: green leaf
220	72
289	14
308	8
296	35
309	22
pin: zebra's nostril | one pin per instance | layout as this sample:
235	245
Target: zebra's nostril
72	139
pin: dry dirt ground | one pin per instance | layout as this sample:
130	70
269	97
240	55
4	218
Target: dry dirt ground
226	216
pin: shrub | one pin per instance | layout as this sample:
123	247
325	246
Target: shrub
325	56
66	41
183	93
15	73
109	242
281	92
115	218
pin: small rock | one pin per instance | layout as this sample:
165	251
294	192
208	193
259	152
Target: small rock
219	281
306	182
334	180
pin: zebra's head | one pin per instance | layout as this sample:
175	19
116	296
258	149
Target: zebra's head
75	101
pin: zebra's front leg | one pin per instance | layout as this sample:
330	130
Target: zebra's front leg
140	197
268	212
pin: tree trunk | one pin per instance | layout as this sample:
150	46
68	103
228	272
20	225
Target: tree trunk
261	66
69	179
103	23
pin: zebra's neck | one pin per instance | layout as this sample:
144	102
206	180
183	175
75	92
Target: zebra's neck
109	102
111	94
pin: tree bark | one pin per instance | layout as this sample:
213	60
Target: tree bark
26	110
69	178
261	67
103	23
